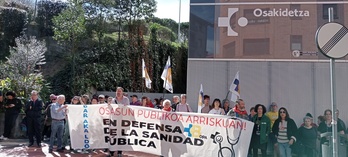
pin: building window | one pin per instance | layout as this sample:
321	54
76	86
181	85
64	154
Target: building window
297	7
255	47
295	42
326	11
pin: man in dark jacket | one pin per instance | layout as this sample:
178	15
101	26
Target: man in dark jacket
33	113
12	108
1	101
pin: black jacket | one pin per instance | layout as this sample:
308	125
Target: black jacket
16	109
291	128
36	109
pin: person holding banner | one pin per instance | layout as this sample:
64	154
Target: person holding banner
262	128
176	101
58	114
109	101
84	99
207	107
94	101
217	109
120	99
183	106
166	106
226	105
239	109
149	103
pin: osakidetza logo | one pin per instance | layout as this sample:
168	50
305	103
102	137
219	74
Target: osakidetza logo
258	12
280	12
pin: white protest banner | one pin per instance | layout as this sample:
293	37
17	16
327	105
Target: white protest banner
134	128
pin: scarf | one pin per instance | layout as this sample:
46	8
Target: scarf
239	112
167	109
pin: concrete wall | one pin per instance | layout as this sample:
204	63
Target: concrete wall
300	86
150	95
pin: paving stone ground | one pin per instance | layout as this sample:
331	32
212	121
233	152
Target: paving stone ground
19	148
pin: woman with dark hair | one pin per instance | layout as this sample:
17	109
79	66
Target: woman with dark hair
12	108
285	130
94	100
226	105
216	108
325	126
261	130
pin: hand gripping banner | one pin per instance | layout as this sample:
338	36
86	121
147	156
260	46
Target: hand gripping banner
134	128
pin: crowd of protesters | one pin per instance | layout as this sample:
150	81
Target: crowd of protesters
273	130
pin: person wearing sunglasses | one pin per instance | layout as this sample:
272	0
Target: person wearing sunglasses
285	131
46	133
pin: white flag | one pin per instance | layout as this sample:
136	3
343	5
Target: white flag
235	89
200	99
145	75
167	76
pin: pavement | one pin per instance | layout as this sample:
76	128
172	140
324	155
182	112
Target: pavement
19	148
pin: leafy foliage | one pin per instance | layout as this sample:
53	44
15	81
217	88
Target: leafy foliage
184	32
170	23
97	58
102	69
163	33
45	13
22	68
69	27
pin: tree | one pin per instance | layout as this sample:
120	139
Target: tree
69	29
170	23
45	13
12	22
184	31
163	32
22	68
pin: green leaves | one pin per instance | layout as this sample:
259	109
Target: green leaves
46	11
69	25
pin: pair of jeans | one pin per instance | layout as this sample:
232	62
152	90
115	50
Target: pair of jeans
284	149
57	127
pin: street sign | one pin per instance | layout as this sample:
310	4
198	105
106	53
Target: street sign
332	40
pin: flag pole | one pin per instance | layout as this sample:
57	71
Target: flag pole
142	71
142	87
228	92
165	84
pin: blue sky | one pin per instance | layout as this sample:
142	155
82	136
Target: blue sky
170	9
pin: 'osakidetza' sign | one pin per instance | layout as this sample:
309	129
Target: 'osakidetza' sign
259	30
